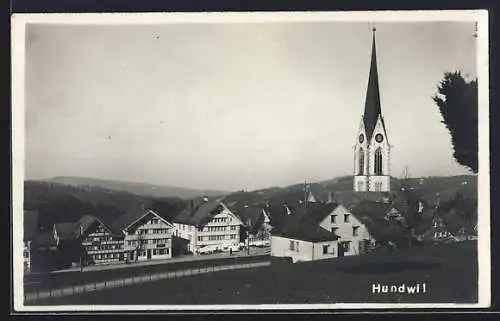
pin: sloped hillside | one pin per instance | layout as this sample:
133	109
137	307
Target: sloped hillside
144	189
61	203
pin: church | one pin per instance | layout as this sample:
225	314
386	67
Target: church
372	149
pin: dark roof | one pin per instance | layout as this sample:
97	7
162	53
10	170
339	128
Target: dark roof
305	225
45	240
66	231
30	225
128	218
200	213
251	216
279	216
372	102
85	222
373	215
350	199
367	210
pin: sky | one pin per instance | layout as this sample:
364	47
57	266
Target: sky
234	106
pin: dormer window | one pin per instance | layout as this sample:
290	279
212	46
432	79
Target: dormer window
333	219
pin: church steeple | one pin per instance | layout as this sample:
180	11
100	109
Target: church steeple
372	102
372	149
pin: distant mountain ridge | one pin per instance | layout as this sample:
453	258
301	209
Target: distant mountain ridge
143	189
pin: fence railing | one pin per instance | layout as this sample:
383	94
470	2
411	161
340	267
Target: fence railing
39	295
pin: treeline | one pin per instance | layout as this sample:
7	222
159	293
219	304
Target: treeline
58	203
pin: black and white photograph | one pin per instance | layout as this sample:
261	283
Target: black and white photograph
250	161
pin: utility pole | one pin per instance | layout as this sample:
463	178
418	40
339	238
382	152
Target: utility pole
305	195
81	248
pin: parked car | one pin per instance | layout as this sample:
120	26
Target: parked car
260	243
233	247
207	249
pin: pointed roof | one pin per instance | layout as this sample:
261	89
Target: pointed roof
305	225
372	102
201	213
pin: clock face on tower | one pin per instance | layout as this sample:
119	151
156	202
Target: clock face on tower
379	138
361	138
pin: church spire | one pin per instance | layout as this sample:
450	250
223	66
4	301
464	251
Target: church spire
372	102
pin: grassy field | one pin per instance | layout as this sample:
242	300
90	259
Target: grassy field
448	270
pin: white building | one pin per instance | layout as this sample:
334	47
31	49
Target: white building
372	148
208	224
147	236
321	231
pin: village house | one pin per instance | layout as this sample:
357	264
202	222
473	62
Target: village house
147	235
383	222
445	225
320	231
303	238
100	245
257	222
208	224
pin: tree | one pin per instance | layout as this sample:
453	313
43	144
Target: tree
457	100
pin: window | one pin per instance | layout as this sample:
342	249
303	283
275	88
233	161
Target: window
346	218
333	218
378	161
189	228
325	248
355	230
292	246
361	169
200	238
347	246
297	246
334	230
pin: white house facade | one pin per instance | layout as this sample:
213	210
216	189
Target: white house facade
209	224
149	237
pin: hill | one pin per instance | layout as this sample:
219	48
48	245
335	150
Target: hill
57	203
143	189
430	188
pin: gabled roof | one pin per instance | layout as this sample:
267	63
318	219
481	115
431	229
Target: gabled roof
252	216
30	225
279	215
66	230
87	221
373	215
200	213
350	199
305	225
131	217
